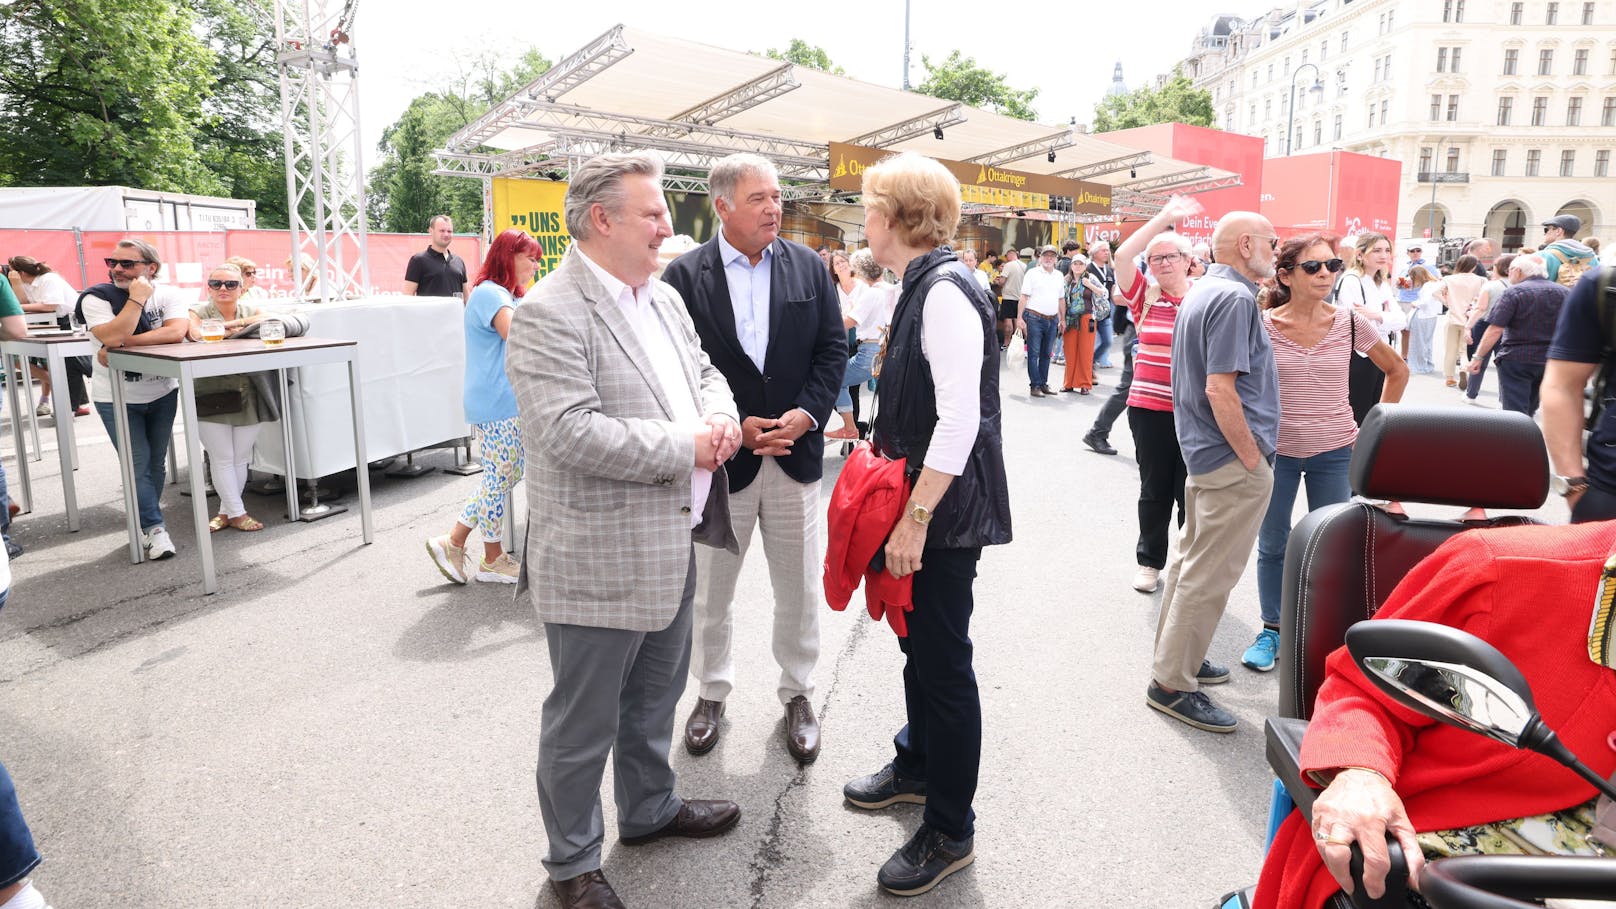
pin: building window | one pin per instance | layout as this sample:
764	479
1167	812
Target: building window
1337	133
1607	117
1602	163
1534	161
1579	62
1613	61
1574	111
1253	78
1377	69
1568	162
1344	42
1390	15
1383	108
1371	116
1298	140
1512	59
1304	55
1515	10
1436	108
1251	119
1545	62
1540	111
1387	69
1268	109
1587	14
1500	158
1453	108
1318	132
1425	160
1551	16
1270	72
1453	161
1455	62
1324	49
1506	107
1441	59
1452	10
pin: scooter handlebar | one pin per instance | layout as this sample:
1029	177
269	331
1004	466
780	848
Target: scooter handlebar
1515	881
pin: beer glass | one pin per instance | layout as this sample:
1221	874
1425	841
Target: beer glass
212	330
272	332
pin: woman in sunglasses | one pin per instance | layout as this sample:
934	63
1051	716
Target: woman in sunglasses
249	278
1314	342
229	409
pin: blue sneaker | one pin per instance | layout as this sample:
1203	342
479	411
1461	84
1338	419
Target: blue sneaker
1260	655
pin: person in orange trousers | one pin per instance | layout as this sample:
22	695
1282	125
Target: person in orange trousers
1077	324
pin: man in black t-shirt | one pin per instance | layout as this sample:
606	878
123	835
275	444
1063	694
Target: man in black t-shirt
1581	350
435	271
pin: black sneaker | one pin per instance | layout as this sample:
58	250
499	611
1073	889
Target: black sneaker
13	549
1190	707
1098	442
882	788
924	861
1211	673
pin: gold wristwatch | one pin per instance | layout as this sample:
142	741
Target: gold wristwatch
919	513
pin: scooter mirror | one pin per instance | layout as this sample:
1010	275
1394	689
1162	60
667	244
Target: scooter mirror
1448	675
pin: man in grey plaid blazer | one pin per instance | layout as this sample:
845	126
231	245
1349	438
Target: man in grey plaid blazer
627	426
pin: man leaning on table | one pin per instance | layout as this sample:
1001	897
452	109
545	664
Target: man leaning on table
627	426
130	311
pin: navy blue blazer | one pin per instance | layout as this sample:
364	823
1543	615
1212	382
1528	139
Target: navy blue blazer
807	353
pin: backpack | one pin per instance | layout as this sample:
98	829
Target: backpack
1570	269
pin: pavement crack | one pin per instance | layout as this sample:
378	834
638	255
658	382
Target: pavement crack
770	854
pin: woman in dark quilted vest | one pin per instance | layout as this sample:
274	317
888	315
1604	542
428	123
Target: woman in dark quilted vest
938	408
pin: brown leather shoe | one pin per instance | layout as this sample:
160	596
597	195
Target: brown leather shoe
701	730
587	891
697	819
802	730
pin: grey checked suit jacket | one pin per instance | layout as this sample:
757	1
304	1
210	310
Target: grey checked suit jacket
608	477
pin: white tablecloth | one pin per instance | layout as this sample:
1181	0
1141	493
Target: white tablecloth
411	369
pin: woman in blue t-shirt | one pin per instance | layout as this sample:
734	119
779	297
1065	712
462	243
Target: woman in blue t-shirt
508	269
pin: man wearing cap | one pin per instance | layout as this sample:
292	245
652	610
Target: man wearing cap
1039	317
1010	293
1560	249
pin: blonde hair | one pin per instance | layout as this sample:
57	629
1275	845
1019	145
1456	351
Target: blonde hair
243	263
918	195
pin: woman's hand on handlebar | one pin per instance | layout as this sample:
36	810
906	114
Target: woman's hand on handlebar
1361	806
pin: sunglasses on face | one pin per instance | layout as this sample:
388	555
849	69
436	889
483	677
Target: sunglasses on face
1312	266
224	285
125	264
1273	242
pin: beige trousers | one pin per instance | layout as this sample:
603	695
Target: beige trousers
1223	510
1454	338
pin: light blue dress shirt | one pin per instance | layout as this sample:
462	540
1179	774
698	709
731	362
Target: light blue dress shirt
749	295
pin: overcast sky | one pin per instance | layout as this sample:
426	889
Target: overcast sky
407	47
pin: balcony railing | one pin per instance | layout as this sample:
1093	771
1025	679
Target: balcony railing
1442	176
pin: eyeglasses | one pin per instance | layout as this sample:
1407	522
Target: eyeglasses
125	264
1167	259
224	285
1273	242
1312	266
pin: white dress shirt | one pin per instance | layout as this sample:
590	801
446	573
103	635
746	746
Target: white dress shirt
654	336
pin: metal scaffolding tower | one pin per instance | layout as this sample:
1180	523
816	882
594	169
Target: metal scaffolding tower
325	175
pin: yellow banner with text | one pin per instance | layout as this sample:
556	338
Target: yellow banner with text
537	207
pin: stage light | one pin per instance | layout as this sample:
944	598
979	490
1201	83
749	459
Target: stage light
937	133
1133	173
1052	156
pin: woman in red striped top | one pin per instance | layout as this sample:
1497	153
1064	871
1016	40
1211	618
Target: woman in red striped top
1313	343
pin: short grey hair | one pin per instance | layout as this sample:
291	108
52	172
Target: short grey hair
1099	244
1531	266
147	251
865	266
600	180
728	173
1178	241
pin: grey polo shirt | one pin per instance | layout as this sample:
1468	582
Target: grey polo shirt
1219	330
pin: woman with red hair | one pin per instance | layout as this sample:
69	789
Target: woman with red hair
508	269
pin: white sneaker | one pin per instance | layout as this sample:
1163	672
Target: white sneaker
43	409
1146	579
502	570
158	544
450	559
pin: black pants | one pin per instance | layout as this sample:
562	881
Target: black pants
1473	384
1114	405
1161	481
1595	505
942	742
1518	385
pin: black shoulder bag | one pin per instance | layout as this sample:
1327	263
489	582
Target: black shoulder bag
1365	381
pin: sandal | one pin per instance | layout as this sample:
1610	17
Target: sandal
246	522
843	435
218	523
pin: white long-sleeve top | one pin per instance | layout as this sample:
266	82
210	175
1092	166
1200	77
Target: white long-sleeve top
951	341
1362	290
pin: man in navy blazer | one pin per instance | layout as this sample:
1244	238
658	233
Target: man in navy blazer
769	319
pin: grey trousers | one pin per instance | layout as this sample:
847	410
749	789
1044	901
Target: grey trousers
615	691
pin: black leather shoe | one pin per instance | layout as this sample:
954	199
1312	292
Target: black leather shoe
882	788
802	730
587	891
701	730
697	819
924	861
1048	392
1098	442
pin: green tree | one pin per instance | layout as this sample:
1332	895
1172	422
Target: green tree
959	78
240	137
1178	101
402	191
802	53
104	92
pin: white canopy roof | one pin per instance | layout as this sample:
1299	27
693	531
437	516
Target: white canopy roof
695	104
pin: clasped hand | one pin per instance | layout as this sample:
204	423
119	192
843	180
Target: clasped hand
774	436
717	441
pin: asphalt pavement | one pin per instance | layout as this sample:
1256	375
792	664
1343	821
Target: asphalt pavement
341	727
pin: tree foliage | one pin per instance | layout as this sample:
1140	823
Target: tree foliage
959	78
402	191
802	53
1178	101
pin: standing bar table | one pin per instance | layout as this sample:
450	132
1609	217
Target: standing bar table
54	350
188	362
